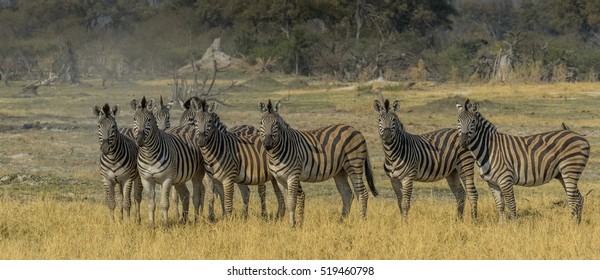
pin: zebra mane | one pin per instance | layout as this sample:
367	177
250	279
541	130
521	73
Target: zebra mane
386	105
485	123
219	125
143	102
106	110
187	103
270	107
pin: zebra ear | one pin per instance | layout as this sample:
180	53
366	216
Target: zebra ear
212	107
277	106
377	105
170	104
133	104
262	107
115	110
181	103
459	107
193	104
396	106
474	107
97	111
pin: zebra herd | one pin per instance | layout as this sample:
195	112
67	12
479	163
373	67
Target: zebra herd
203	150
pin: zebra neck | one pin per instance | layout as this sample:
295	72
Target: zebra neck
286	146
118	149
399	146
153	141
481	144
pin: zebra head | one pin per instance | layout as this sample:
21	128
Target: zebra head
468	123
107	126
270	125
162	114
144	122
187	117
389	123
205	120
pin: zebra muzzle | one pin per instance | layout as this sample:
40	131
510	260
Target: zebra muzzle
386	135
105	147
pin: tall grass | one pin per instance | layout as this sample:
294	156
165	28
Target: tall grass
52	201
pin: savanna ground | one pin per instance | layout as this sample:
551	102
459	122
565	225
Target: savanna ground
52	200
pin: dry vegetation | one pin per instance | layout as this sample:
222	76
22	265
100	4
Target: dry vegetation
51	196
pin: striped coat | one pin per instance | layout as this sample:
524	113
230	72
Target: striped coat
505	160
336	151
167	158
231	157
428	157
118	163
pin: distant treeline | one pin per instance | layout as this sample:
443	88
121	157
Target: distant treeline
349	40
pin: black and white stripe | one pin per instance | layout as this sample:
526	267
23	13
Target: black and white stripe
235	156
506	160
118	163
336	151
167	158
428	157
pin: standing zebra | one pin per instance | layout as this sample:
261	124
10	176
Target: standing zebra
232	157
162	113
428	157
187	118
167	158
118	163
506	160
338	151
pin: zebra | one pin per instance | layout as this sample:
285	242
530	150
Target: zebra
167	158
428	157
335	151
162	113
505	160
232	156
118	163
187	118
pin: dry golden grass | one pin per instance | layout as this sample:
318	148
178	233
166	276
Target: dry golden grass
52	198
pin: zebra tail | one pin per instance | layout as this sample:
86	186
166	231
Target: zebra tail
369	173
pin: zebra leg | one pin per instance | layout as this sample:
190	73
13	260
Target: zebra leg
498	199
245	193
509	197
574	198
228	194
119	199
198	190
280	199
175	199
127	197
291	185
137	196
458	191
361	192
300	200
184	197
407	186
262	194
469	185
109	188
164	200
218	189
341	182
150	190
397	186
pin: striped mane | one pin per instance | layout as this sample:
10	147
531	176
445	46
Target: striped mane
106	111
220	126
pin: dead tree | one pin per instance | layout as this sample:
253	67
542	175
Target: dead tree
31	88
182	90
65	64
